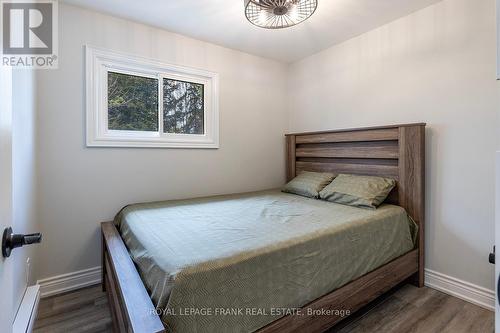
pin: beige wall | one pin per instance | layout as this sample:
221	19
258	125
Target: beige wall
79	186
436	66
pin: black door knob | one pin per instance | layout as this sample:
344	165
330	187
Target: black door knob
11	241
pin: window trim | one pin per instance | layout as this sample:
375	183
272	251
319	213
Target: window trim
99	61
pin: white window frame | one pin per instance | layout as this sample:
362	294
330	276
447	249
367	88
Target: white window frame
100	61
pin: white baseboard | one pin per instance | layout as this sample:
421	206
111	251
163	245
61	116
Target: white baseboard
26	315
461	289
71	281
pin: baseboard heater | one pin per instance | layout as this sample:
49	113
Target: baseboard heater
26	315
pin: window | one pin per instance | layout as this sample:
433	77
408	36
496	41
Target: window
135	102
183	107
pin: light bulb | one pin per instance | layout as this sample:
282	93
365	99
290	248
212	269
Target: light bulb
263	16
294	12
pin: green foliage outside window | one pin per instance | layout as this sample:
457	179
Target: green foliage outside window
182	107
132	103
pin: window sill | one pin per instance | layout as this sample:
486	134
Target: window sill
152	143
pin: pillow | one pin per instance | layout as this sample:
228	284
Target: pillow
308	184
358	191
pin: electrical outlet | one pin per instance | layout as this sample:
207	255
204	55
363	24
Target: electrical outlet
28	266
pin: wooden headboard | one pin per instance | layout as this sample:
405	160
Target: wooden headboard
396	151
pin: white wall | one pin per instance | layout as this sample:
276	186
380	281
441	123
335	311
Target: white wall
23	175
436	66
80	187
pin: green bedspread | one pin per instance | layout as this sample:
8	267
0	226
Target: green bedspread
231	263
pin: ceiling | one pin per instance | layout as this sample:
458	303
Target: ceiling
223	22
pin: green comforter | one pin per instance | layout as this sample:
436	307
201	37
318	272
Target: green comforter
232	263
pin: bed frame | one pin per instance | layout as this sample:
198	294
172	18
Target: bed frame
396	151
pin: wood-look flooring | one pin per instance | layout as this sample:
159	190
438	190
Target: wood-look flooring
83	310
406	309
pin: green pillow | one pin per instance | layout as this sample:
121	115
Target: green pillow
308	184
358	191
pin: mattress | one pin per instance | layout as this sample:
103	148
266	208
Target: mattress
236	263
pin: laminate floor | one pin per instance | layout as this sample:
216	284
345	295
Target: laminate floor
406	309
83	310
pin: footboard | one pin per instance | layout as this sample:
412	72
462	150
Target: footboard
132	309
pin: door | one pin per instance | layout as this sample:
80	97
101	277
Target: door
497	242
6	268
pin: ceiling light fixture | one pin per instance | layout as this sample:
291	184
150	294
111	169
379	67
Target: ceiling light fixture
278	14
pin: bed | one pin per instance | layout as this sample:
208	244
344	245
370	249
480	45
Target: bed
269	261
